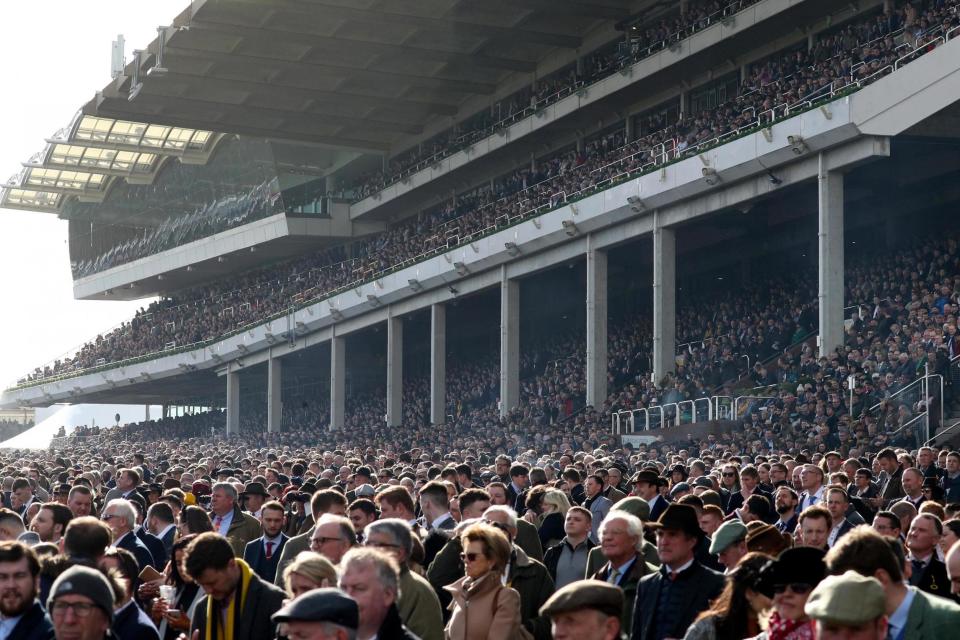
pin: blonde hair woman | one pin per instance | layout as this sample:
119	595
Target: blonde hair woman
554	511
308	571
494	608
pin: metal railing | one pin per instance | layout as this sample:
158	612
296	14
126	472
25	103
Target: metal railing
671	414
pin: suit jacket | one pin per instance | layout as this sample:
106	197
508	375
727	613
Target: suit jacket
293	546
893	487
34	625
132	623
255	555
845	527
134	545
628	583
700	586
168	539
657	509
599	508
156	547
263	600
243	529
933	579
931	617
613	494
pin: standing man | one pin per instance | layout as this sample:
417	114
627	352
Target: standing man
80	501
911	481
121	518
598	505
785	501
669	600
371	578
51	522
585	610
815	525
81	604
160	523
253	496
517	489
621	538
729	544
566	561
892	488
229	521
811	479
238	604
837	505
646	484
24	618
435	505
929	573
263	554
849	606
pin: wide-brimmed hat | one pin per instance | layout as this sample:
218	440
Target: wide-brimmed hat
799	565
679	517
255	489
647	476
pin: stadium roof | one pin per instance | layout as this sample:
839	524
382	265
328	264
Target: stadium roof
357	74
338	75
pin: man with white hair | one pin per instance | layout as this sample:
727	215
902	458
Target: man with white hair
621	541
120	516
371	577
229	520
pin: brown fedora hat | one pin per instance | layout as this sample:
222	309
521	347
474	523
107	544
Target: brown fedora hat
678	517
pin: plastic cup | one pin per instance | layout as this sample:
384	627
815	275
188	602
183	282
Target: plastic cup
168	593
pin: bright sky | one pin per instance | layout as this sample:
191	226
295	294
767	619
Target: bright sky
54	54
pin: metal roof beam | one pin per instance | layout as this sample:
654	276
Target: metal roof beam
585	9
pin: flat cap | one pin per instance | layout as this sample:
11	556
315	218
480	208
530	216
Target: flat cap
585	594
321	605
849	599
635	506
728	533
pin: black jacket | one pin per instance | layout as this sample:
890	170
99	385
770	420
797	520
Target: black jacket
263	600
551	556
134	545
700	585
933	579
34	625
392	627
132	623
155	546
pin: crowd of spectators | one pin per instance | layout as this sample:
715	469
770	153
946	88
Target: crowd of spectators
644	38
211	311
228	211
142	533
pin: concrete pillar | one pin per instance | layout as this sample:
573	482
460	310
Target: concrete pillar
810	41
146	412
394	372
664	300
596	326
233	403
830	257
438	364
630	129
683	103
509	343
338	381
274	395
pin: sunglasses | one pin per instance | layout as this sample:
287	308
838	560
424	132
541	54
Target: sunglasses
729	475
799	588
470	556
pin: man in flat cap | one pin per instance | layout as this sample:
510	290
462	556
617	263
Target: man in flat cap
849	606
729	544
320	614
585	610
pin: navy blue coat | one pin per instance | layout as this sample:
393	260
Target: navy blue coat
255	555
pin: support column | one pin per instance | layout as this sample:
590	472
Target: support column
596	326
630	129
664	299
509	343
274	395
394	372
338	381
683	103
830	258
146	412
438	364
233	404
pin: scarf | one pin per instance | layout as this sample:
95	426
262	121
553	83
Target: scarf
214	630
783	629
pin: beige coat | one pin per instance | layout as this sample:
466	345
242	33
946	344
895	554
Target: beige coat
483	609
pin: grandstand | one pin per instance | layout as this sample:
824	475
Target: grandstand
444	223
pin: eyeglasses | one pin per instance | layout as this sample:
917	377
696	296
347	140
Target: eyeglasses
729	475
317	542
381	545
799	588
109	516
80	609
470	556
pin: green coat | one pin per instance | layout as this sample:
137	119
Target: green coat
528	539
243	528
931	617
419	607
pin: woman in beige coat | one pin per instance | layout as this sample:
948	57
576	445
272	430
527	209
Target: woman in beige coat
484	609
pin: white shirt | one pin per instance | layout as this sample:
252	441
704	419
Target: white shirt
165	529
440	519
224	522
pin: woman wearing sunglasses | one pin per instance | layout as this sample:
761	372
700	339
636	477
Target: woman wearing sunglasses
790	579
482	607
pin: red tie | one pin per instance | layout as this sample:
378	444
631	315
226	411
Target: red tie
269	550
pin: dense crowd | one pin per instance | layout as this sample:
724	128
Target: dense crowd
201	314
140	534
644	38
